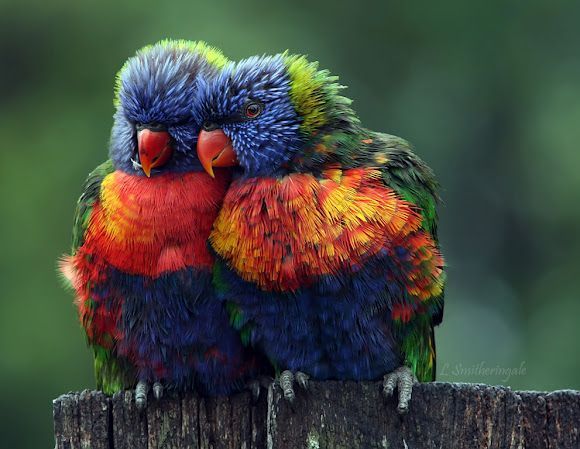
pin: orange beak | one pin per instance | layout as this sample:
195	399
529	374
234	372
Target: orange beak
214	149
154	149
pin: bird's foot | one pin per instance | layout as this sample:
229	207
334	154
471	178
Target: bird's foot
142	390
255	385
403	379
286	381
157	390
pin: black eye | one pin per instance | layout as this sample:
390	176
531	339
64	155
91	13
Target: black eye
252	109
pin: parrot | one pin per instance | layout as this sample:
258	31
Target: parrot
140	266
327	255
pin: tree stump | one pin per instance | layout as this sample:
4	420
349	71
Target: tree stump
330	415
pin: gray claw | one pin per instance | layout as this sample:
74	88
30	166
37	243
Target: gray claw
254	387
302	379
286	382
157	390
403	379
141	391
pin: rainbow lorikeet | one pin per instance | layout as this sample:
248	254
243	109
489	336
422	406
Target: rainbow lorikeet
140	264
327	238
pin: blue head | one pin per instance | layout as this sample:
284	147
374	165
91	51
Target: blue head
262	111
154	126
251	103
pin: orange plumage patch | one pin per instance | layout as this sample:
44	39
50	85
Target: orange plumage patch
281	233
424	273
149	226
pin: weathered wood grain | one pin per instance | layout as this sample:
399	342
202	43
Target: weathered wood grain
329	415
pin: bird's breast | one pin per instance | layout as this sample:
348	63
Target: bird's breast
284	233
150	226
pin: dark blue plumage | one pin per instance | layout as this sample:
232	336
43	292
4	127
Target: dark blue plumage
333	329
176	330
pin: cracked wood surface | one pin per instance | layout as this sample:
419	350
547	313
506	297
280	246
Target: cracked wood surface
330	415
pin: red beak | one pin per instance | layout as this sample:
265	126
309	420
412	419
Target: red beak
154	149
214	149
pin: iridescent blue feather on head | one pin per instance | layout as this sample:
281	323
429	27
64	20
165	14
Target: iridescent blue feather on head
156	89
263	143
272	109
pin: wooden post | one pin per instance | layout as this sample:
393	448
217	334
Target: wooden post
330	415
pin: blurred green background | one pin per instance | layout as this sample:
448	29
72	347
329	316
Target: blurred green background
489	94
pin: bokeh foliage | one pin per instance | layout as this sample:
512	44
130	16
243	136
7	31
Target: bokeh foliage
488	92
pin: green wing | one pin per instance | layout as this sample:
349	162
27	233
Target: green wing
90	195
411	178
111	374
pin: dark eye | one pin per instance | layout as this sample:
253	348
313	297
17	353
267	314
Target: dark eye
252	109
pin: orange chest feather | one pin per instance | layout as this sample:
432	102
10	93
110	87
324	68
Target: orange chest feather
280	233
149	226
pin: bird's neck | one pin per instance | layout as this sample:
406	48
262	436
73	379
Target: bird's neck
335	143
